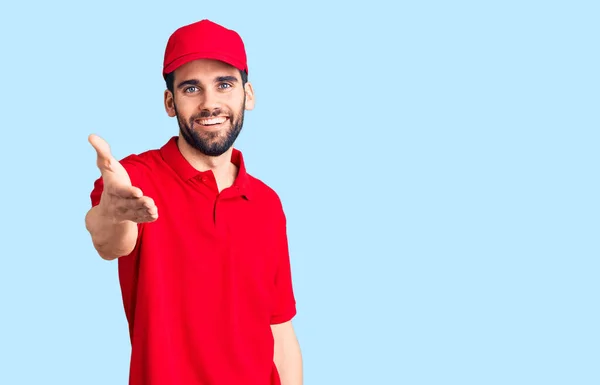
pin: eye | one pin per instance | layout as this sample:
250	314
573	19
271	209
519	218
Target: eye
224	86
189	90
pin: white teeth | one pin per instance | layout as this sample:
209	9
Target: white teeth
208	122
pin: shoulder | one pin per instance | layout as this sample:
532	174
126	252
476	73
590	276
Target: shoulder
142	162
263	191
266	196
140	166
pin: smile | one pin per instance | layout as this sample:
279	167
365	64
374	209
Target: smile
208	122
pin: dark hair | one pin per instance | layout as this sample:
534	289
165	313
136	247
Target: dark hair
170	79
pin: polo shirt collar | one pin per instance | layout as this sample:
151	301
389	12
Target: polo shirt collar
173	157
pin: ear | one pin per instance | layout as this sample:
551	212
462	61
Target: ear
249	96
169	103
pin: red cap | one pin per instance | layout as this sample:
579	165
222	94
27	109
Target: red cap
204	40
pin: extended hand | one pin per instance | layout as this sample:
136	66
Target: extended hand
120	200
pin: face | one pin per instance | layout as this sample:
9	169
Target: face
209	100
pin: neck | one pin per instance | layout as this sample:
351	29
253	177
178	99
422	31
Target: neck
221	166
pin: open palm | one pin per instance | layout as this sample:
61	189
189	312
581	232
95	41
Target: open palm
120	200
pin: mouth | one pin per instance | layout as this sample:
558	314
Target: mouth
213	123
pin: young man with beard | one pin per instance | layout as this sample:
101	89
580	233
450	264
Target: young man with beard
201	244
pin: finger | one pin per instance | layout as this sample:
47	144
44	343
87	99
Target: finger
153	211
125	192
132	204
141	216
147	219
100	145
104	156
145	212
148	203
143	204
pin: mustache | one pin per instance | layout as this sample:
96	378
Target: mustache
208	114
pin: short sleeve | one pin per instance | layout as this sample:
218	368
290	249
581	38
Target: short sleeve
284	308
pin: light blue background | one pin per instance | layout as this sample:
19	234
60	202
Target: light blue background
437	162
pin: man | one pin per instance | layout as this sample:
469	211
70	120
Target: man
201	244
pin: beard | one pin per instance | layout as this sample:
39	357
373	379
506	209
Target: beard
211	143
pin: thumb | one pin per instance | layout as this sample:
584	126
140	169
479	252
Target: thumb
102	151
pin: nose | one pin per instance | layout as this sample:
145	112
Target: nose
210	102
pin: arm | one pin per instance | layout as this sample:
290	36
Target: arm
111	239
287	358
118	207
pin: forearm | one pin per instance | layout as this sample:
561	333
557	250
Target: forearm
288	359
111	239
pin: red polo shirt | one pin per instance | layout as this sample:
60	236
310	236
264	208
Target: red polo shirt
207	278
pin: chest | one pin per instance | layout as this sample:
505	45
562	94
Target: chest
211	239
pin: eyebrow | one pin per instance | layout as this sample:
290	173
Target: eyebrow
190	82
218	79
